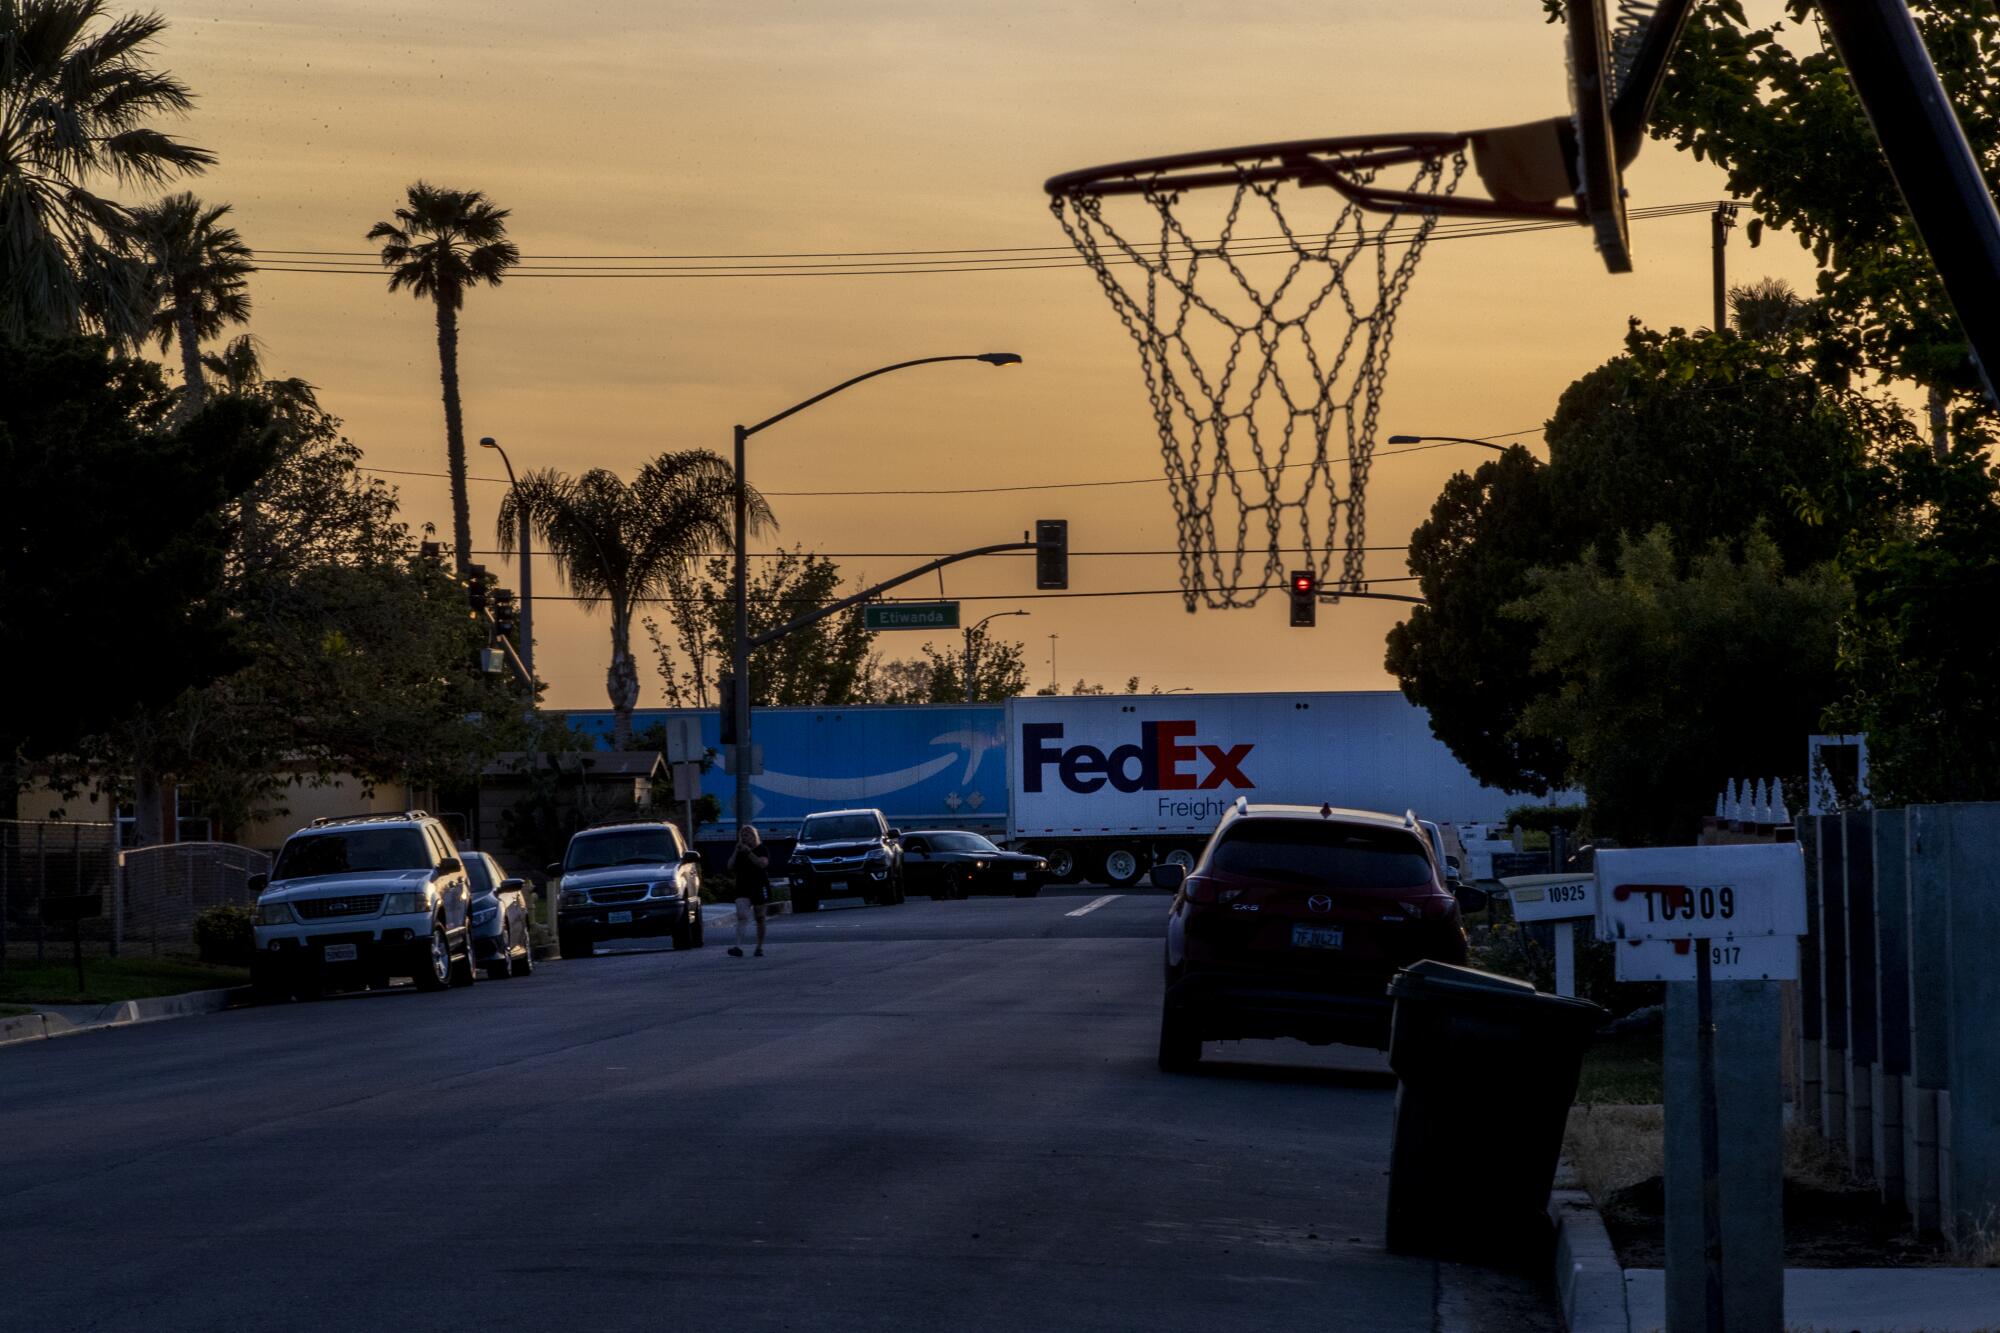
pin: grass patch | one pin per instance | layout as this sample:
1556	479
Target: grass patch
1615	1146
14	1010
107	980
1621	1071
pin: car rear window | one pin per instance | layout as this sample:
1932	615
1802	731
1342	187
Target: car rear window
1340	856
352	849
839	828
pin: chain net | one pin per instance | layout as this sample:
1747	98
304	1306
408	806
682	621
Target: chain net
1264	351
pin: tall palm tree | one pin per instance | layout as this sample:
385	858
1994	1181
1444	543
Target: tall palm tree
77	98
441	243
620	543
198	272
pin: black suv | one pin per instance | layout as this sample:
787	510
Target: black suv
626	879
846	853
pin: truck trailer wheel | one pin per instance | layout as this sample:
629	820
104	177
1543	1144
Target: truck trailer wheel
1121	866
1062	864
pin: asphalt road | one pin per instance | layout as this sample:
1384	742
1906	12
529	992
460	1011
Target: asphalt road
936	1116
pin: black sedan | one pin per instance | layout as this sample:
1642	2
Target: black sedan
955	865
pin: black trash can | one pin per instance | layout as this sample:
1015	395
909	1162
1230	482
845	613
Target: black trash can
1486	1069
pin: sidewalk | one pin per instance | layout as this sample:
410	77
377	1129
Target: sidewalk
62	1020
1865	1300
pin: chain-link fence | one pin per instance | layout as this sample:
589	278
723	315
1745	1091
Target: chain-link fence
53	859
166	887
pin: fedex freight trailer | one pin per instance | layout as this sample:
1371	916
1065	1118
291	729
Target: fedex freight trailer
1105	786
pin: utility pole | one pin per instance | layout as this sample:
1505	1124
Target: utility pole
1719	223
1053	687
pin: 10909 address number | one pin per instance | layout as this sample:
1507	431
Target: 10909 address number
1694	902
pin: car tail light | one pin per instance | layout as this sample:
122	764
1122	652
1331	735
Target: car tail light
1198	889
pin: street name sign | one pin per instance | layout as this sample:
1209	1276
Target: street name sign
1701	893
1745	958
1551	897
910	615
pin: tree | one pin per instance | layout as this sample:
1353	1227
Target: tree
113	586
239	368
618	543
937	676
441	243
78	99
1782	118
198	274
824	663
1917	652
1678	674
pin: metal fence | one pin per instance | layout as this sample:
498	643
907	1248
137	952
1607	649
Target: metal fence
164	888
47	859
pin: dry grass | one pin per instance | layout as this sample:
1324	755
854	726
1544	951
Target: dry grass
1980	1248
1614	1146
1816	1162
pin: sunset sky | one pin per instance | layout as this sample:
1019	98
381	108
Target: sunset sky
650	127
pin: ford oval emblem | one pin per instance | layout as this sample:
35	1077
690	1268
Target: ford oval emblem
1320	903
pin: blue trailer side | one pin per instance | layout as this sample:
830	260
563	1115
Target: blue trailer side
922	765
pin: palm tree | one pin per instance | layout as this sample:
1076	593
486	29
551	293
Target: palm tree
239	369
441	243
198	273
621	544
76	99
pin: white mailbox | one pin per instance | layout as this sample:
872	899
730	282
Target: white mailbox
1744	958
1551	897
1696	893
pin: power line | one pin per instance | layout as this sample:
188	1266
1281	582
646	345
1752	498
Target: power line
1366	584
1000	490
920	555
896	263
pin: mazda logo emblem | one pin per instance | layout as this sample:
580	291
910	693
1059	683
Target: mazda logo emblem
1320	903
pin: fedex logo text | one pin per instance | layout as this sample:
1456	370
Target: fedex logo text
1163	760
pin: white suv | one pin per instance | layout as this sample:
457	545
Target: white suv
354	902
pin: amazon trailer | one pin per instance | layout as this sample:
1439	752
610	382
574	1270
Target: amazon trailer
1106	786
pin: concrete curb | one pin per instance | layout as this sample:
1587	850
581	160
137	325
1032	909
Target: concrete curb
1588	1280
40	1026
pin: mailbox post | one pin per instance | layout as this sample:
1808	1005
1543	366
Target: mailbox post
58	908
1562	899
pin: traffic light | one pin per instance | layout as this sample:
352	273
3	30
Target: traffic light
1305	599
726	703
475	587
1052	553
506	616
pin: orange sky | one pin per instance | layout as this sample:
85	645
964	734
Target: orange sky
651	127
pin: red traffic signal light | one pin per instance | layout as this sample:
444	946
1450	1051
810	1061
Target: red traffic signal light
1305	599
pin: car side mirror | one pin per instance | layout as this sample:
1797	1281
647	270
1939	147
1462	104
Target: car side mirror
257	883
450	865
690	857
512	884
553	870
895	833
1169	876
1471	898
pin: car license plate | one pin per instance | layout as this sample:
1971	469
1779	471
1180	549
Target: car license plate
341	953
838	886
618	918
1020	874
1316	937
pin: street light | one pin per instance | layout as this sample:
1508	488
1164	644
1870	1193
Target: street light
969	636
1448	439
741	658
526	647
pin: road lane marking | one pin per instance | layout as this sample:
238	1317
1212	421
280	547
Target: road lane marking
1088	908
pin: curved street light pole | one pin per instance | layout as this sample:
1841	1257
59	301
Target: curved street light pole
971	636
741	663
527	632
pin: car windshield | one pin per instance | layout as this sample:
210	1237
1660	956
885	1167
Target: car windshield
352	849
480	871
839	828
1339	856
961	842
621	847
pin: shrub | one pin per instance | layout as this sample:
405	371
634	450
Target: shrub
1545	818
225	935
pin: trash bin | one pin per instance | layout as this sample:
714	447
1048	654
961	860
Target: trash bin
1486	1069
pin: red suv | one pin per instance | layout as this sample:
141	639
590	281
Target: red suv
1292	923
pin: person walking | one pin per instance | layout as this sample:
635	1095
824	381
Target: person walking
752	871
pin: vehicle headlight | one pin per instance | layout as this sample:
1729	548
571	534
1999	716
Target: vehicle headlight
879	854
979	865
576	896
275	914
666	889
405	904
485	914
